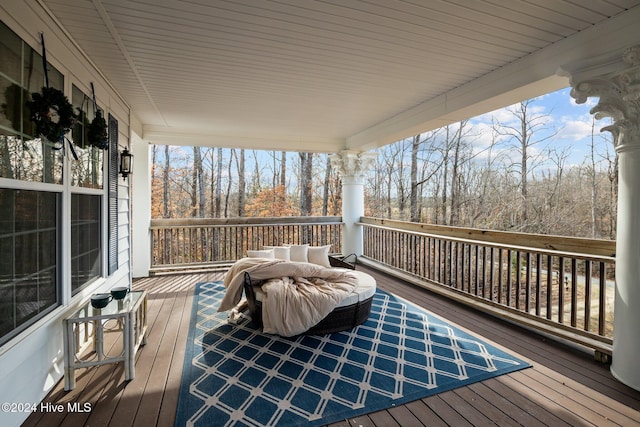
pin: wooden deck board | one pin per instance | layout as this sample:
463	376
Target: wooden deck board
564	387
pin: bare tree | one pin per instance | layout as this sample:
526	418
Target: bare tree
232	156
241	183
166	213
218	202
528	131
413	201
326	189
593	173
612	199
457	144
283	169
306	183
197	185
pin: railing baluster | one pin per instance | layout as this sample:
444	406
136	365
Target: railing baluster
561	289
550	286
527	292
469	268
587	295
518	277
602	303
538	282
574	292
492	275
500	273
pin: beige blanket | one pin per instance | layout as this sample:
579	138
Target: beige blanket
297	295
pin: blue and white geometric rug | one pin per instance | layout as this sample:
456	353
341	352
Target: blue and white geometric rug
236	375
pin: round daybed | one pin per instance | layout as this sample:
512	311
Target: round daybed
351	312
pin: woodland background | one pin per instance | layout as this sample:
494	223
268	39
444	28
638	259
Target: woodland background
510	175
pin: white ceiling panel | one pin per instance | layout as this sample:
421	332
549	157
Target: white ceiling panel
307	70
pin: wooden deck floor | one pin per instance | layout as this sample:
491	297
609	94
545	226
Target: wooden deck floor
565	387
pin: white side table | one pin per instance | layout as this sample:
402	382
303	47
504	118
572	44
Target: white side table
88	325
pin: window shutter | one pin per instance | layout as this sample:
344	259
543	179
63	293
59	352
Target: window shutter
113	194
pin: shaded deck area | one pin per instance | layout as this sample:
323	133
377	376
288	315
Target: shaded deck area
564	387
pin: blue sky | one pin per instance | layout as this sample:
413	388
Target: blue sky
571	121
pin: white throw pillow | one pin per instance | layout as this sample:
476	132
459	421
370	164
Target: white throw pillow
280	252
266	253
319	255
299	253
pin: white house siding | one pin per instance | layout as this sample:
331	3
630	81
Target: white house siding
32	362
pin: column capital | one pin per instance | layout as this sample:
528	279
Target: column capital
619	97
353	165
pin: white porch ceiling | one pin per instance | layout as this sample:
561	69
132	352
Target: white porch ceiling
332	74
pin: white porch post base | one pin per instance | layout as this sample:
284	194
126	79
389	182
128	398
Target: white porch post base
353	167
616	83
626	325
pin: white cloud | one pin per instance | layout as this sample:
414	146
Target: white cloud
589	103
575	129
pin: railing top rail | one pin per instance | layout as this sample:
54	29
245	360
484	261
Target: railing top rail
591	249
232	222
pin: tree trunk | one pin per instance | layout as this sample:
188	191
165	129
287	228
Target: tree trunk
414	179
327	183
445	177
454	212
218	203
232	156
524	191
283	169
306	185
165	186
241	184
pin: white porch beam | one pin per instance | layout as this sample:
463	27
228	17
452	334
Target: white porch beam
615	80
188	137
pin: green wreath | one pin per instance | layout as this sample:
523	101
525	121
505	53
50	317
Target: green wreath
97	135
52	113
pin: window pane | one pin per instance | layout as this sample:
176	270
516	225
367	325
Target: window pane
10	52
87	171
12	105
28	265
35	160
21	73
86	255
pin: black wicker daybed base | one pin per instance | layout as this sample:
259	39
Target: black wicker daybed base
340	319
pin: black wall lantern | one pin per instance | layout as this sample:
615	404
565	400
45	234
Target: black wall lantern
126	163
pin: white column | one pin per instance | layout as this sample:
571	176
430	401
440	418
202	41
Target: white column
140	202
353	167
619	99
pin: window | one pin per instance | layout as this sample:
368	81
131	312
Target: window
32	260
86	253
29	262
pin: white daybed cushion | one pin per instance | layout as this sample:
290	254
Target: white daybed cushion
265	253
365	289
299	253
280	252
319	255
